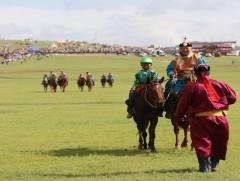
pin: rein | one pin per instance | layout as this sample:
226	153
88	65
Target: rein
145	97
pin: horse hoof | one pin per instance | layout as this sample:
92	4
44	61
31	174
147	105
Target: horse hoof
184	145
178	147
153	150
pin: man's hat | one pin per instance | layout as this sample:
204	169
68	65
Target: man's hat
185	43
200	69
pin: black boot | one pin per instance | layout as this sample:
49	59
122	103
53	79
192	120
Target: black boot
130	103
214	164
130	111
204	164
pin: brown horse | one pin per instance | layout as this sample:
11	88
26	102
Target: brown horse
145	112
89	83
171	105
110	82
62	82
81	82
53	84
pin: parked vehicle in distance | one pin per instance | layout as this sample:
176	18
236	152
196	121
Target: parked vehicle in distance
208	55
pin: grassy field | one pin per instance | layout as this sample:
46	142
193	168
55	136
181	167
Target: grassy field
86	136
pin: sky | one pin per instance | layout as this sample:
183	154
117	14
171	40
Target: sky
125	22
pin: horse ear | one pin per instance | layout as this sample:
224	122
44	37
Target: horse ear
161	80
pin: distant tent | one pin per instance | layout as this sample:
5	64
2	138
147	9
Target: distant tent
54	45
33	49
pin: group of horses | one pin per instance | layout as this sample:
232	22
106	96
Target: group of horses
62	82
146	109
104	80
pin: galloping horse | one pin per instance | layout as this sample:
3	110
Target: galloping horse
63	82
53	84
81	82
103	81
89	83
110	82
145	112
171	104
45	84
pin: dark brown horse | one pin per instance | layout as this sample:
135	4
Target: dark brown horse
103	81
89	83
53	84
171	105
145	113
81	82
110	82
62	82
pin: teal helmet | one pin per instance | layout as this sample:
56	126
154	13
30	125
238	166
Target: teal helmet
146	60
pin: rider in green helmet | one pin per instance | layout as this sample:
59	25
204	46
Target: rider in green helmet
142	77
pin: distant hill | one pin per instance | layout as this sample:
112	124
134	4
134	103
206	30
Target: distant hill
19	44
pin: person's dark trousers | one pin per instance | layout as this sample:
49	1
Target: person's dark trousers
204	164
214	164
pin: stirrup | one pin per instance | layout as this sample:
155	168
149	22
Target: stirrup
129	115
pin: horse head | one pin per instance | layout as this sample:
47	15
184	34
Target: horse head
154	94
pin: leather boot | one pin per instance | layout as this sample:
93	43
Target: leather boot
130	111
130	103
204	164
214	164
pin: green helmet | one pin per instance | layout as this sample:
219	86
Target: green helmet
146	60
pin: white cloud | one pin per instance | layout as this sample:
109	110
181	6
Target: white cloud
124	22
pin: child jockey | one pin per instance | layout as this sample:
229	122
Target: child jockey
141	80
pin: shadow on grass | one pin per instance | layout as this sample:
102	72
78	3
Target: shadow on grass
75	152
150	172
68	152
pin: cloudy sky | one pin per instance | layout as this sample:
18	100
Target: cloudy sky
127	22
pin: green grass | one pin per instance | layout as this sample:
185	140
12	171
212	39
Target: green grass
86	136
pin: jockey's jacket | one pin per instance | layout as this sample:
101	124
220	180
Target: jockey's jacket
183	66
143	75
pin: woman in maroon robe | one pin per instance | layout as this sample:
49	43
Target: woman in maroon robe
206	103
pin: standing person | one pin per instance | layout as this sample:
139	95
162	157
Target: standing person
180	73
142	77
206	103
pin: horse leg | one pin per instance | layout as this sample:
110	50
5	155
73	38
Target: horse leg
144	134
185	139
152	134
140	140
176	132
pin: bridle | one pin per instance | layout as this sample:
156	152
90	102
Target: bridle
146	99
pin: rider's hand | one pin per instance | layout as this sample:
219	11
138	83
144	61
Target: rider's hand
172	76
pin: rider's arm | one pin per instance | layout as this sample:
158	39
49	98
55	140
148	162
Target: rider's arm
136	82
155	76
202	60
170	69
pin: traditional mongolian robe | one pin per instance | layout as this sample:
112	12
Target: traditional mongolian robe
182	67
209	126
